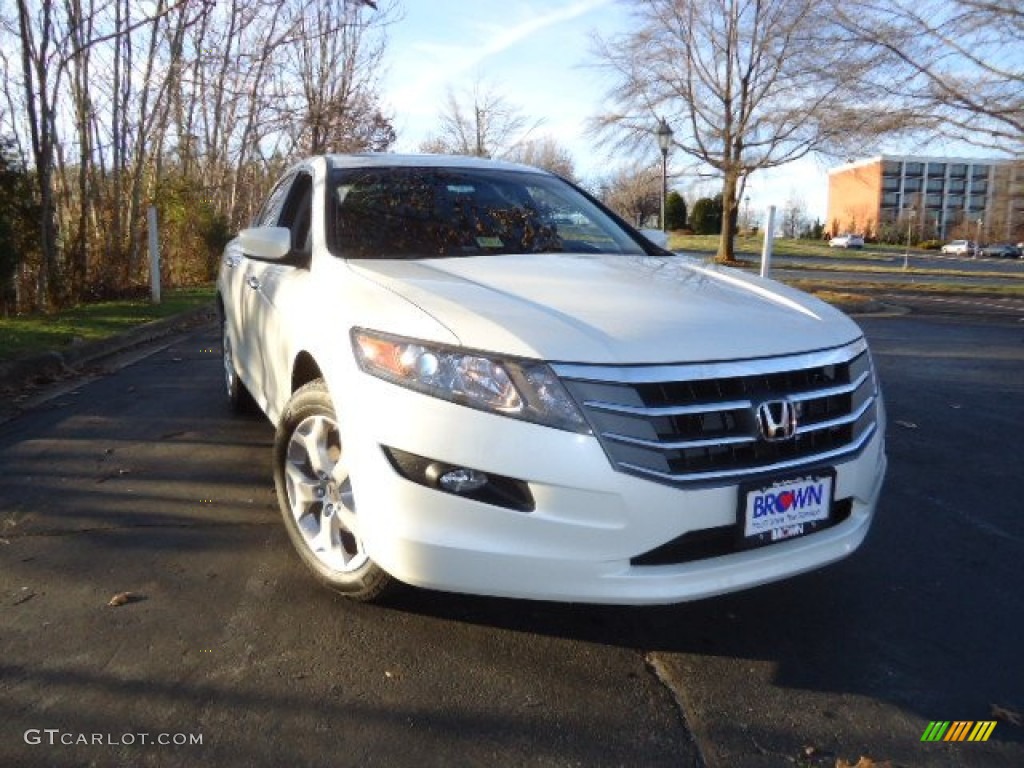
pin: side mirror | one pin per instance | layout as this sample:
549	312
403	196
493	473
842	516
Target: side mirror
273	243
656	236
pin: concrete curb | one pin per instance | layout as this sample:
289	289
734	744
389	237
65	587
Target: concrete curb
50	365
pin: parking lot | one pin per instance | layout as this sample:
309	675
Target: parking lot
140	482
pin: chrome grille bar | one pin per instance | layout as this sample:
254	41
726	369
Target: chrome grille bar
728	474
842	421
663	422
670	410
661	445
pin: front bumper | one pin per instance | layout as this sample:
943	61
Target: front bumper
588	523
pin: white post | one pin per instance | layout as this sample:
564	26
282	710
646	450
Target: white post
769	238
154	256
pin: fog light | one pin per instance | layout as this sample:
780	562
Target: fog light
463	480
485	487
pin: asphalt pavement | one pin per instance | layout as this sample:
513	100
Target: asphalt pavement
137	484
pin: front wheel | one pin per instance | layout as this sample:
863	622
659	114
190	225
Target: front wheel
314	492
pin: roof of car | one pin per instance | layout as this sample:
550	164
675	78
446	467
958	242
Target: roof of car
388	160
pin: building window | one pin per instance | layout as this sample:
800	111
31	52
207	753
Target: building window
958	170
911	185
913	169
955	201
979	187
977	202
979	171
891	200
890	168
957	185
936	169
934	201
934	185
891	184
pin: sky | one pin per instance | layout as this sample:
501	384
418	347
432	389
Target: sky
536	54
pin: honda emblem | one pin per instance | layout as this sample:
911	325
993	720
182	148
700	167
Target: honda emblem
776	420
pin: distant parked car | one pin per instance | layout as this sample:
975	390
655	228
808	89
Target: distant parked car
959	247
846	241
1001	251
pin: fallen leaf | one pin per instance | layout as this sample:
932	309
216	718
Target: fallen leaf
814	757
907	424
111	475
1007	715
863	762
122	598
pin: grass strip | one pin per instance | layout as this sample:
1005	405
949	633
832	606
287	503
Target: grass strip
814	286
31	334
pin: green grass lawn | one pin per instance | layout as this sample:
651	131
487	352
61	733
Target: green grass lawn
747	245
869	286
29	334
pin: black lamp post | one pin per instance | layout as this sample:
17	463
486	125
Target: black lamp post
664	142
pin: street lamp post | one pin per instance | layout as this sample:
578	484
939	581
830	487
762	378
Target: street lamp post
977	241
746	214
664	142
910	227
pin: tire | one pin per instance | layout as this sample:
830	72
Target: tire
239	399
314	493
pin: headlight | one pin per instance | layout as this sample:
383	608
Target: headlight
518	388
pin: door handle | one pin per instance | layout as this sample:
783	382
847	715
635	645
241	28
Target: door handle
253	282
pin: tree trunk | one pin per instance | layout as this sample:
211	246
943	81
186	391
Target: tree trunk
726	243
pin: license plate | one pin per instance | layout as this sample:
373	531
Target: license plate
785	509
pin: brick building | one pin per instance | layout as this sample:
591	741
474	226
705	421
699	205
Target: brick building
934	197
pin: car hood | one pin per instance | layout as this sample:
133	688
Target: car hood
611	309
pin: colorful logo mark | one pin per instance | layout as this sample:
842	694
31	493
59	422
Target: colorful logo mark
959	730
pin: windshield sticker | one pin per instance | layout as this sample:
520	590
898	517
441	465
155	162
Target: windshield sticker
489	242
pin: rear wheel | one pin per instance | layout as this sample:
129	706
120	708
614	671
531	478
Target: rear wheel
238	396
314	492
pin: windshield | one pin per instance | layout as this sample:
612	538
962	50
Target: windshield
410	213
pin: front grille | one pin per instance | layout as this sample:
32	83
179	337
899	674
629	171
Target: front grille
697	423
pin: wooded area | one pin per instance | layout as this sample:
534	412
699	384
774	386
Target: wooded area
194	106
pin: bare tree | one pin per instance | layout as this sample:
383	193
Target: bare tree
338	45
746	85
481	123
961	62
545	153
634	192
40	37
794	215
